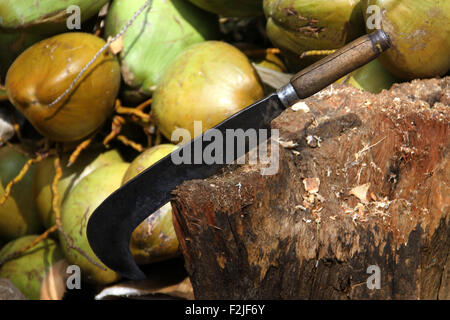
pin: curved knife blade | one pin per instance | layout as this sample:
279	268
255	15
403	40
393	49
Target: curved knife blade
110	226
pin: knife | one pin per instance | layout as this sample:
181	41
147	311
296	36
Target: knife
110	226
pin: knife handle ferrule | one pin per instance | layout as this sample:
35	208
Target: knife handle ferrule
287	95
326	71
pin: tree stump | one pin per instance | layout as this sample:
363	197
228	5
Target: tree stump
362	191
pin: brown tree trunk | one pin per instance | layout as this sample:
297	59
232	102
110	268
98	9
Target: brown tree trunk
381	164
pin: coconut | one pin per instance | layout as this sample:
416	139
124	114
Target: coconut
156	37
47	16
154	239
37	273
232	8
17	215
296	26
420	35
208	82
43	179
45	70
80	203
372	77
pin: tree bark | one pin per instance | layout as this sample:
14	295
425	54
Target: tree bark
381	164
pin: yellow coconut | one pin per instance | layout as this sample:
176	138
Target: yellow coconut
154	239
419	32
208	82
45	70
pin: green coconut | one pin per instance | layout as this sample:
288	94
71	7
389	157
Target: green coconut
296	26
232	8
43	179
154	239
372	77
208	82
44	16
156	37
17	215
45	70
80	203
31	271
420	36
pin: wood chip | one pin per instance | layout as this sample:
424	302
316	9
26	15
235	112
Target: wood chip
311	184
287	144
361	192
301	106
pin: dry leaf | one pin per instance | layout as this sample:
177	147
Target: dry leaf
272	78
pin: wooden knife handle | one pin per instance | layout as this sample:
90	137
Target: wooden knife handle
345	60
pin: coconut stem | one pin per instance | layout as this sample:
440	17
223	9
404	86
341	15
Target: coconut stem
19	177
76	153
261	52
57	210
313	53
144	104
130	143
137	112
133	111
119	121
55	201
116	128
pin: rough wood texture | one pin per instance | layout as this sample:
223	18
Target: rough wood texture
248	236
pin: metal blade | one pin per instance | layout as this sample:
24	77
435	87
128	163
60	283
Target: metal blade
110	227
